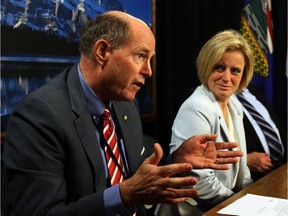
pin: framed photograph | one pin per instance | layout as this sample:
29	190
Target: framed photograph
40	39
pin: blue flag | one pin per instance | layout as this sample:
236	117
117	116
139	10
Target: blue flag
257	28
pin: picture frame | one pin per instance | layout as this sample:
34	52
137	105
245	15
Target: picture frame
30	57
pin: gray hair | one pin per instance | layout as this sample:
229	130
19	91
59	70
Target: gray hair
105	26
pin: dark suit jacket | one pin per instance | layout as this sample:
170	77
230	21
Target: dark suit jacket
52	157
252	140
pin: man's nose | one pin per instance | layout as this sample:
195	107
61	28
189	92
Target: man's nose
146	70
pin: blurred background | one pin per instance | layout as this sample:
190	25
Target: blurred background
40	38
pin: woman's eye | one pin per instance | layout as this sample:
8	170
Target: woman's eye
235	70
219	68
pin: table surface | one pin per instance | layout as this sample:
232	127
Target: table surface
273	184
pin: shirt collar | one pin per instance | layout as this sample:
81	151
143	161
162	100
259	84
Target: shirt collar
95	105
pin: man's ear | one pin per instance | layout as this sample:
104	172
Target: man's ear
101	51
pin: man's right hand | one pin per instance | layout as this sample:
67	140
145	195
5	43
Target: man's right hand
152	184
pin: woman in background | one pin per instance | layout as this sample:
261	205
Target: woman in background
225	67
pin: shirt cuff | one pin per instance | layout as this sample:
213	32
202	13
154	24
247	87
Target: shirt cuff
113	203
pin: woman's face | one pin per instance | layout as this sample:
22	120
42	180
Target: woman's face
226	75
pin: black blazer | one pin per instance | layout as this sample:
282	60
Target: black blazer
52	157
252	140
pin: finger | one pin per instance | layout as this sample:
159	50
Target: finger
227	160
155	158
172	169
269	169
179	182
227	154
222	163
208	137
177	200
172	193
269	159
220	167
270	166
226	145
266	169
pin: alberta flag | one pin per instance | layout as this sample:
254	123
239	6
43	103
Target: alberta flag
257	28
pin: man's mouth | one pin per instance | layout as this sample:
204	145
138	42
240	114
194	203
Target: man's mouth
139	84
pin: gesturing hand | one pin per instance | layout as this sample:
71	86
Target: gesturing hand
201	152
152	184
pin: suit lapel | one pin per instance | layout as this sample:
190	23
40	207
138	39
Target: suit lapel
129	123
223	126
237	116
85	127
87	135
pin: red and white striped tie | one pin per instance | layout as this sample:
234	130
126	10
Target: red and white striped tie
112	153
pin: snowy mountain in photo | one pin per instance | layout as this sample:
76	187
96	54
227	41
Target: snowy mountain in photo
59	17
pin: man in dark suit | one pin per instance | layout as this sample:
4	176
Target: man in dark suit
55	153
258	159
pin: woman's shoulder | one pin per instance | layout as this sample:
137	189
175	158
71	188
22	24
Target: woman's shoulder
200	98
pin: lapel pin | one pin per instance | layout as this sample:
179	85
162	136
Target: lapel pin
125	117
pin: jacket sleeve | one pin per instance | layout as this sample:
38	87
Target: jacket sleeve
35	155
195	118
